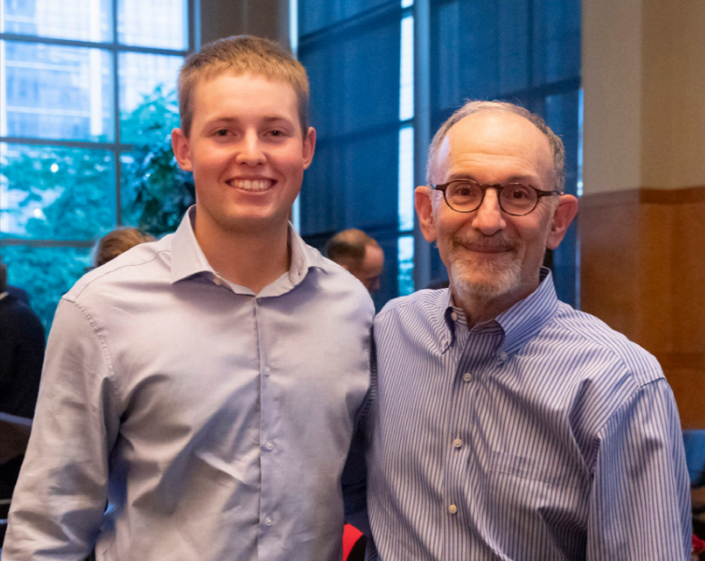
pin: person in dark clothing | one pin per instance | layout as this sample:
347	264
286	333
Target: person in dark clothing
18	293
21	357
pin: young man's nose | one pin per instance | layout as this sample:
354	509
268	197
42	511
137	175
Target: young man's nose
250	149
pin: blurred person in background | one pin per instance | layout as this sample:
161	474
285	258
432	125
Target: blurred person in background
360	254
117	242
21	355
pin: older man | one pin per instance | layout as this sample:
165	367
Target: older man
504	423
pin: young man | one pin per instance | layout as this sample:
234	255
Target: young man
506	424
205	385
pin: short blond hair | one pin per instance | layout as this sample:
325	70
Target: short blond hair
237	55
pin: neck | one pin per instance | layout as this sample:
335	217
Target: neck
248	259
479	308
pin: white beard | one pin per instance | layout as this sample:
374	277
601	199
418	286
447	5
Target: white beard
485	278
498	280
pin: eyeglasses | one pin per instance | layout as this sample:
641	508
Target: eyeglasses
516	199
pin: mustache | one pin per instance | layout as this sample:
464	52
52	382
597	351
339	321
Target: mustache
497	242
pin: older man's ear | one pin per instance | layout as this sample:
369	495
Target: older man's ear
562	218
424	211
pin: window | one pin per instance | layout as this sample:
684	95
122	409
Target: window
360	55
85	85
359	58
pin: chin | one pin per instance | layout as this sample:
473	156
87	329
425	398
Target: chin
467	282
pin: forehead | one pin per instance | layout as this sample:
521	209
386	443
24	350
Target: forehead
240	95
496	146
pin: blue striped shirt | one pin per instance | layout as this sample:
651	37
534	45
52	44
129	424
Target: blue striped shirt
542	434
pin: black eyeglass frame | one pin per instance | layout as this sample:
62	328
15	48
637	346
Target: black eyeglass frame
539	193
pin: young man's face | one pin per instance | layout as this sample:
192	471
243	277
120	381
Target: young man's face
247	153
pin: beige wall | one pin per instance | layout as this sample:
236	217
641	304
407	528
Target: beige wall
642	217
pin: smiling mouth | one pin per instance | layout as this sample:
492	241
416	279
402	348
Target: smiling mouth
488	249
251	185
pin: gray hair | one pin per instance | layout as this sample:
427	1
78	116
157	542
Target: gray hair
472	107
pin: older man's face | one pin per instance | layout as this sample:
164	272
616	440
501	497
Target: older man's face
490	254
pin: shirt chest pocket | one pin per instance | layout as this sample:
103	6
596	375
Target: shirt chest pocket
546	469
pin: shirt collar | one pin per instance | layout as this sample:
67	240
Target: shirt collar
187	258
519	323
527	317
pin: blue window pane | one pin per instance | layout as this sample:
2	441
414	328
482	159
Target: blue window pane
56	193
315	15
84	20
405	278
148	104
46	273
406	78
406	178
55	92
153	23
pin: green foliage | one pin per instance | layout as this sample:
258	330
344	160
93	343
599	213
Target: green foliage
69	194
68	187
46	273
155	191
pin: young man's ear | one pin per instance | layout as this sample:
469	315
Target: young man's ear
424	210
562	217
309	146
182	150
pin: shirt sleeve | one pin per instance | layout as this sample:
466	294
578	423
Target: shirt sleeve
61	494
640	503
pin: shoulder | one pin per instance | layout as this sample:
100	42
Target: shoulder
422	303
337	278
599	345
419	316
140	263
19	316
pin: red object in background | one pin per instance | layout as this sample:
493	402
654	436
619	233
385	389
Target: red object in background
698	545
350	537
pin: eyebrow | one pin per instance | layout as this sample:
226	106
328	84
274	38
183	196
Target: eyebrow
512	179
266	119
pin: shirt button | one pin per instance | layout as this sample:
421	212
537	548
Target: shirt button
452	509
217	281
457	443
467	377
268	521
503	356
454	316
269	445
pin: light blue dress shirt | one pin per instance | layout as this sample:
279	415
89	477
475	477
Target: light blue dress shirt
541	435
215	421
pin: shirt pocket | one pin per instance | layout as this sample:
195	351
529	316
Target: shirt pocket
546	470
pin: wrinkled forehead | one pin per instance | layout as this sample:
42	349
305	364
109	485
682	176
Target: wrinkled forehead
487	140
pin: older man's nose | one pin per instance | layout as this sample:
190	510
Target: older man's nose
489	218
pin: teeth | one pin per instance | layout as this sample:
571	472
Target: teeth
251	184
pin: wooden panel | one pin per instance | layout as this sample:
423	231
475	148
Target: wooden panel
643	273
